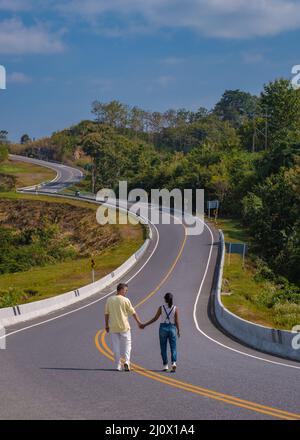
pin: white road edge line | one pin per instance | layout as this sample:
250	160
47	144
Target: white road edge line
214	340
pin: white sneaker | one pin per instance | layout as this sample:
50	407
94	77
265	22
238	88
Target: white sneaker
119	367
126	366
165	367
173	367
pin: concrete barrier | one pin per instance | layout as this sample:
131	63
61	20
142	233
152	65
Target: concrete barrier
278	342
25	312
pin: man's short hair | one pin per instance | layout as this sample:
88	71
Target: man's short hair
121	286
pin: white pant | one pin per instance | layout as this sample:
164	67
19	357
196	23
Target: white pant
121	346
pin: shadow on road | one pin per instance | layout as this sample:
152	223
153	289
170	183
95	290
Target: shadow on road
77	369
89	369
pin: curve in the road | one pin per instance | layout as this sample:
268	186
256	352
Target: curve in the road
52	370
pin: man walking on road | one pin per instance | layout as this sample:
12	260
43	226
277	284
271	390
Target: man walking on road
117	310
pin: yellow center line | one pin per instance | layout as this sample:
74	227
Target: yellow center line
164	279
105	350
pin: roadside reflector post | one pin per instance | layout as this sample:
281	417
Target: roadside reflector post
93	264
244	253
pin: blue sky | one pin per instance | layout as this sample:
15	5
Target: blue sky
62	55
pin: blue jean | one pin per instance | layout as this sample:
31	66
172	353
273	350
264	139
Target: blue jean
167	332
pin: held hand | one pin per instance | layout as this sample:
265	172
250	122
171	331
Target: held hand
107	329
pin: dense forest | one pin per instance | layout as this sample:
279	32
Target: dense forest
244	152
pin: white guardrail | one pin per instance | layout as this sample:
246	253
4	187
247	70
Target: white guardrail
278	342
25	312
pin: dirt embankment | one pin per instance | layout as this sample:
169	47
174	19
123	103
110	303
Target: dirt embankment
77	223
7	182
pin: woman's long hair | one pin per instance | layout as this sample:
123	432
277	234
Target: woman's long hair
169	299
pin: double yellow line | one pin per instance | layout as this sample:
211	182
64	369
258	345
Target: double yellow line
103	348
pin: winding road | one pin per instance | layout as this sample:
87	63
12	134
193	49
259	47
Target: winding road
61	366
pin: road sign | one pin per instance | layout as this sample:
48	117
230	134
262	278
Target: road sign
237	248
213	204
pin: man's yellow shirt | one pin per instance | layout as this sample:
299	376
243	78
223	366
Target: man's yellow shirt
119	308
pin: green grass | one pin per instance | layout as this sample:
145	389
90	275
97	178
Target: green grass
27	174
12	195
233	231
59	278
241	290
244	293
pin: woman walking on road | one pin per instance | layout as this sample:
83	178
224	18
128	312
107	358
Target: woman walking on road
167	330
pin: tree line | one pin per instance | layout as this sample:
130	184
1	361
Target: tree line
244	152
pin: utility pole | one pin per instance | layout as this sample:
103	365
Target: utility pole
254	135
264	133
266	129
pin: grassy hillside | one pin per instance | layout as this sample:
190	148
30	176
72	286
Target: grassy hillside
26	174
53	272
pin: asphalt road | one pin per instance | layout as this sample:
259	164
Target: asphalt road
63	368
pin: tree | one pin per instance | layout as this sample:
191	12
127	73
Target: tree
3	136
98	111
202	112
271	211
156	122
94	144
113	113
281	103
25	139
136	119
170	118
183	116
235	106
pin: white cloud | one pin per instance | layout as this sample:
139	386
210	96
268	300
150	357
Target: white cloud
16	38
252	57
216	18
172	61
19	78
165	80
15	5
101	84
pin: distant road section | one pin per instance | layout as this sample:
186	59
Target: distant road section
66	175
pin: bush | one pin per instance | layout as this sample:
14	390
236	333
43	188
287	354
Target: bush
21	250
266	298
287	314
11	297
284	300
263	271
3	153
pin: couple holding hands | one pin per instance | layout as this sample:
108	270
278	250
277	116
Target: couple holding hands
118	308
